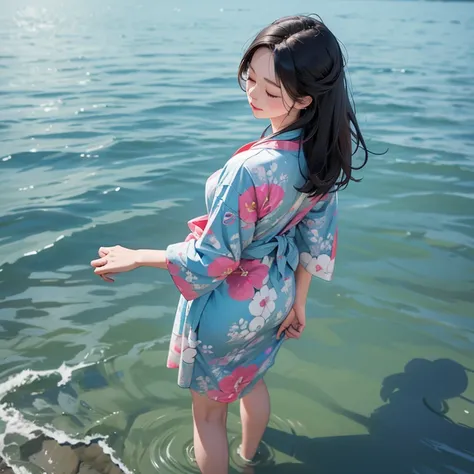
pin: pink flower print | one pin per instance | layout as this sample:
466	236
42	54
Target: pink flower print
197	227
248	206
174	351
269	197
221	267
256	203
249	275
231	386
185	288
173	268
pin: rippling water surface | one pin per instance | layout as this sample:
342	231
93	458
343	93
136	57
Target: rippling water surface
112	116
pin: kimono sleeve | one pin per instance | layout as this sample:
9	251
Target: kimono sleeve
316	238
198	266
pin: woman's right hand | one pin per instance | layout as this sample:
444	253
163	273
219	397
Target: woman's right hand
294	324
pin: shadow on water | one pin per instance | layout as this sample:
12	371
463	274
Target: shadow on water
410	433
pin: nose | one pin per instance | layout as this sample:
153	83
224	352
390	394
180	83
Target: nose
252	91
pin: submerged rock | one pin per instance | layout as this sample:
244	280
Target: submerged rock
4	469
54	458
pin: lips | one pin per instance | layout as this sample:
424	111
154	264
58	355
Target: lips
253	107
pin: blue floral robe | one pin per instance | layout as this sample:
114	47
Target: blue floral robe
235	270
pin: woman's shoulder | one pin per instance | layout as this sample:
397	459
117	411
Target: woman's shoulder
253	158
261	165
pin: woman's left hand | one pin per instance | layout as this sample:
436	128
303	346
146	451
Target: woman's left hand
113	260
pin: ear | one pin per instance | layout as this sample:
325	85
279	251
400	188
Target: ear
303	102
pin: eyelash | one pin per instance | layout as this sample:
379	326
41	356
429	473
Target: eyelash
269	95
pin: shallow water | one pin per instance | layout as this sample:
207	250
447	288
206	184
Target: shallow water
113	114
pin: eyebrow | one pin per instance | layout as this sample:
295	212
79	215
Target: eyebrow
268	80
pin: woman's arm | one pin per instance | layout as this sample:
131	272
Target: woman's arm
303	281
294	324
151	258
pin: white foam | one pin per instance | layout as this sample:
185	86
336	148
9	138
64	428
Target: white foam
15	423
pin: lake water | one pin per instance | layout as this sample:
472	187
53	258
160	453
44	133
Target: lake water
112	116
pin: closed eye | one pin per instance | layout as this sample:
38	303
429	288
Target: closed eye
249	79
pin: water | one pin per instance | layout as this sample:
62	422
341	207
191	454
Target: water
112	116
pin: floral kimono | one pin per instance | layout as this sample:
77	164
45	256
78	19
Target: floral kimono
235	270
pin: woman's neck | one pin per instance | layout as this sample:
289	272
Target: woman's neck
284	121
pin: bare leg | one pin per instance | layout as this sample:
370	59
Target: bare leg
210	435
254	415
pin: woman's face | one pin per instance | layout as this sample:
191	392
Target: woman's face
266	95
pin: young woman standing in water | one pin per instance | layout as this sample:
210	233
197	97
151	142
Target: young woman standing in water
244	270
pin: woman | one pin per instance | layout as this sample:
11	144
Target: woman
245	269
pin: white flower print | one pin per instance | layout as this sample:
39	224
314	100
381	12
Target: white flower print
233	356
315	236
321	266
326	245
214	242
318	222
217	371
250	331
238	330
188	355
234	237
235	248
260	172
256	324
247	242
273	168
188	352
263	303
204	382
256	341
283	177
287	286
190	277
236	355
206	349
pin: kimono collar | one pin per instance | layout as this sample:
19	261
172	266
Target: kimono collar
291	135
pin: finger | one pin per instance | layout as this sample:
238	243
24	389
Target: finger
282	329
283	326
293	332
104	270
107	278
99	262
103	251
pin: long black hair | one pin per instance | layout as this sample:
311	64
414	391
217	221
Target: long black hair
309	62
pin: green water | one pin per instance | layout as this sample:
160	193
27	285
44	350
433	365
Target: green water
112	116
